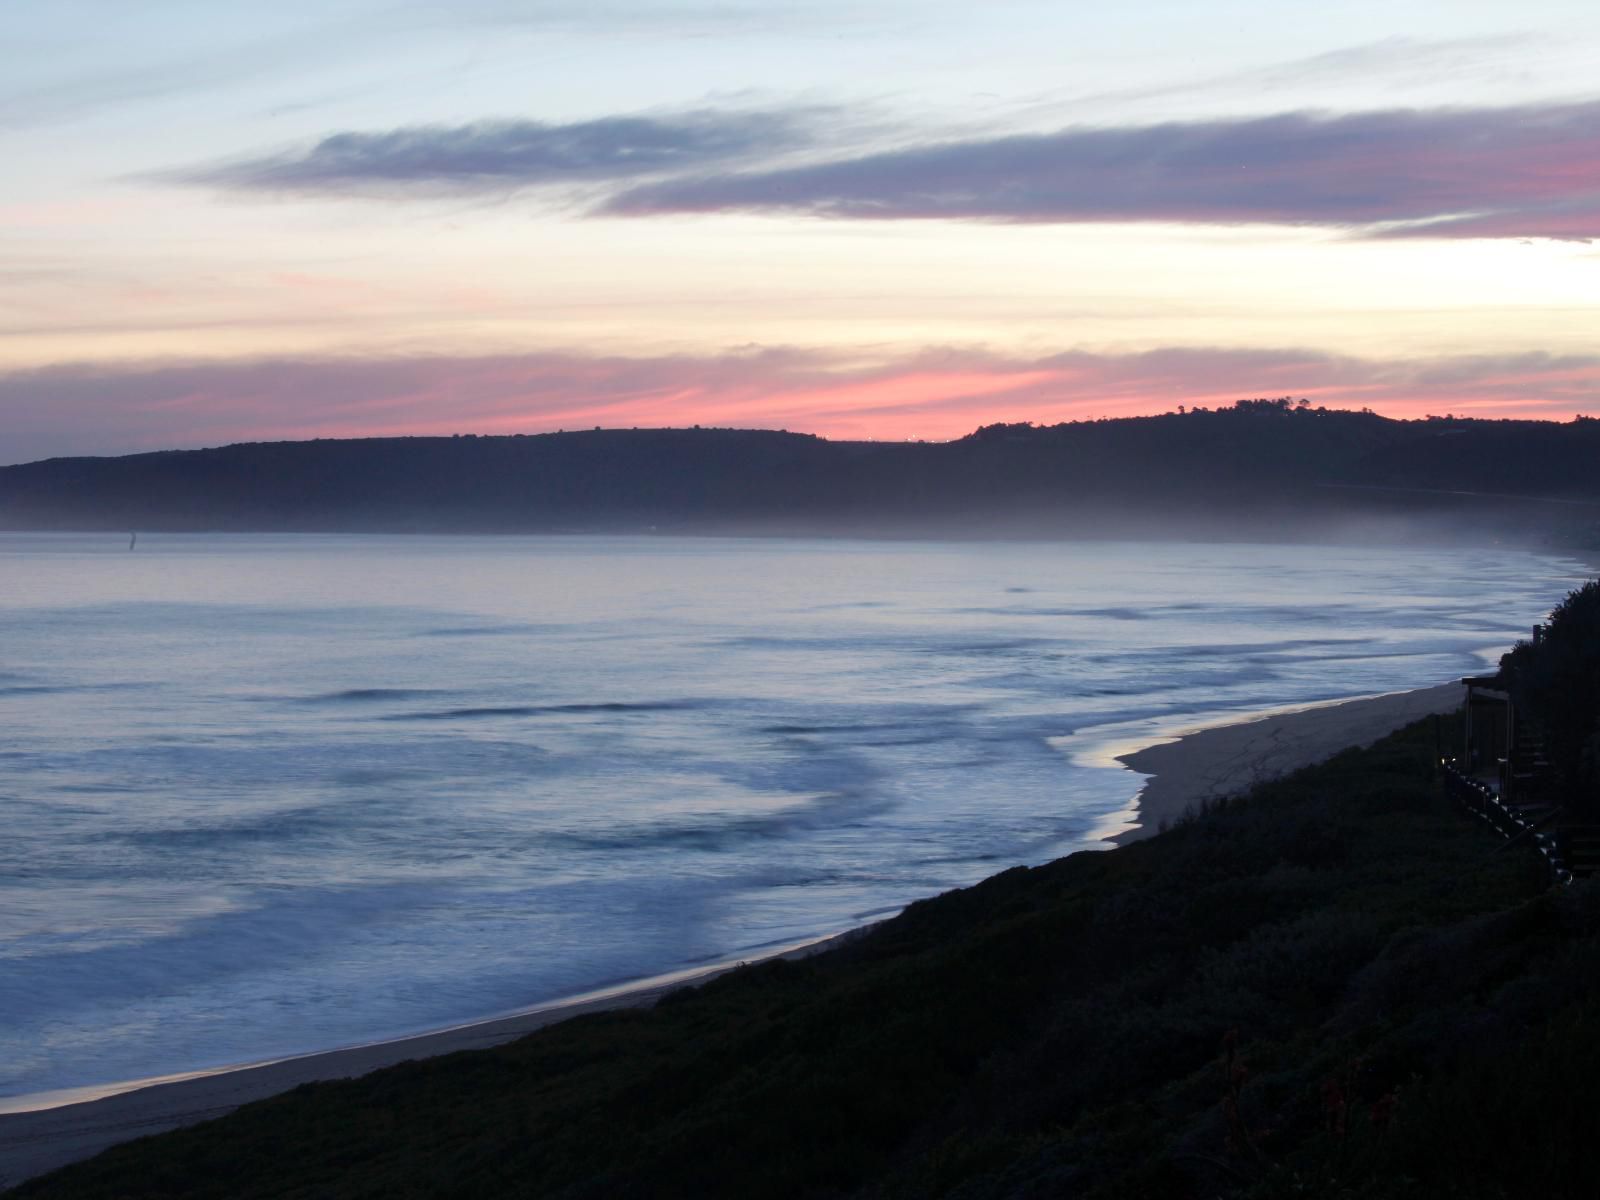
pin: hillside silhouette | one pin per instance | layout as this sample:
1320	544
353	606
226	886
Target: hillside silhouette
1260	467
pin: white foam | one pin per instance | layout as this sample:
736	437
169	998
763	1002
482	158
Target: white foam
234	831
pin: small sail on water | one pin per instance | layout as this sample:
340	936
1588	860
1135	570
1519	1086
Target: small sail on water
133	540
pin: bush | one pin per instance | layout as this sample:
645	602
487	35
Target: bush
1555	681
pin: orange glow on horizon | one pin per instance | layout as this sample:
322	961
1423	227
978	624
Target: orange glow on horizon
937	395
908	406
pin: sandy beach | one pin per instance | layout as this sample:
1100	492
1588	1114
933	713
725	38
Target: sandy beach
1198	765
1209	763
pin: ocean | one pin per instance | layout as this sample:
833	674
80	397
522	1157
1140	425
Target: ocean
263	795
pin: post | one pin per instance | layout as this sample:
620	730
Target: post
1511	750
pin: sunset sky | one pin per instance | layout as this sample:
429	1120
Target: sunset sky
888	219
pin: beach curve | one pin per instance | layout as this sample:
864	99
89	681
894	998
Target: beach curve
1210	762
1184	771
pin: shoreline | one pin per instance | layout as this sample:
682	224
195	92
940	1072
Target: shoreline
1182	769
1208	762
78	1123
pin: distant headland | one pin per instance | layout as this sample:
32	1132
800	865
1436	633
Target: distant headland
1261	468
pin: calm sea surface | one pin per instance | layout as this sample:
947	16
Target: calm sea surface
262	795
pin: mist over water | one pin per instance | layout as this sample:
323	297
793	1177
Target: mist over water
269	794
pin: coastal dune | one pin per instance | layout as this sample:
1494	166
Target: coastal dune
1198	766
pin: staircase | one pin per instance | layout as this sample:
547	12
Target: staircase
1580	848
1525	779
1570	848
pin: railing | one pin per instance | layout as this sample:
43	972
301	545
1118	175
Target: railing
1508	820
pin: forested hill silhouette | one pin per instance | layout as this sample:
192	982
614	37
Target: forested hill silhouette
1258	467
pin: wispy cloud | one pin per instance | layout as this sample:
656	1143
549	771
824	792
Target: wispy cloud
495	155
1388	66
939	393
218	63
658	18
1530	170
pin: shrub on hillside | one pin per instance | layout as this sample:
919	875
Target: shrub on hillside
1555	681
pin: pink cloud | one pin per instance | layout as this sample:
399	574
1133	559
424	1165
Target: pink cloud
935	395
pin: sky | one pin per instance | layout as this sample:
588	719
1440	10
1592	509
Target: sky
887	219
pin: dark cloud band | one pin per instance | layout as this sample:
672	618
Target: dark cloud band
489	155
1524	171
1529	171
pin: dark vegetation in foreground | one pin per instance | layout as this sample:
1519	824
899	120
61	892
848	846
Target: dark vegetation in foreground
1338	986
1555	682
1258	469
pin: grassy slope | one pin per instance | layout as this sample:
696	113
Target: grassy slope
1408	1002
